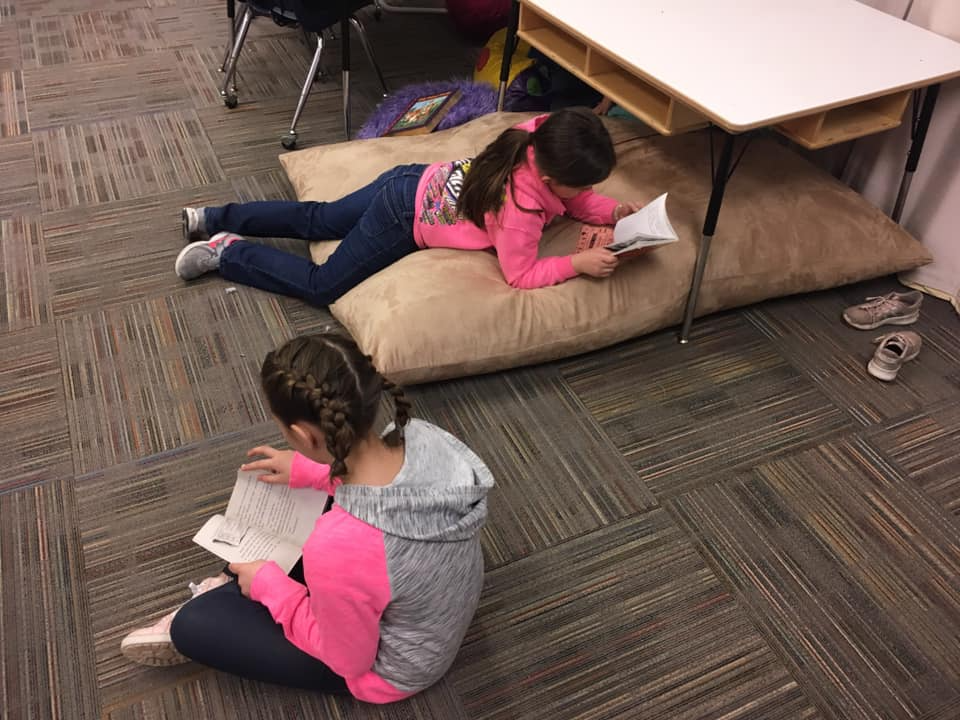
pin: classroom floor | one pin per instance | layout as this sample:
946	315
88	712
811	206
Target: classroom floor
744	527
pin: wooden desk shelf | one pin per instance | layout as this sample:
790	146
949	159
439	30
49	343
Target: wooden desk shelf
664	114
847	123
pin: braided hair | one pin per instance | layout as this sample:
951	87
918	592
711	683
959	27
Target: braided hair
326	380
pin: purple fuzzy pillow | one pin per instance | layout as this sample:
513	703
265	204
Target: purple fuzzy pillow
476	99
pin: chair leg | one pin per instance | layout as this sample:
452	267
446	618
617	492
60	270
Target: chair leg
345	64
231	17
289	141
230	98
368	49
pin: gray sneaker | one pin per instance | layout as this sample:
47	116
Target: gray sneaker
890	309
893	350
202	257
193	224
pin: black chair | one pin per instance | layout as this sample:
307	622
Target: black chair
312	16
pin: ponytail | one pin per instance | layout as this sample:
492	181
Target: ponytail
491	173
572	147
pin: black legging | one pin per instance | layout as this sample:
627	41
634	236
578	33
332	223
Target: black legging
228	632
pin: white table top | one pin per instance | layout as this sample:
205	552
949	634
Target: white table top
751	63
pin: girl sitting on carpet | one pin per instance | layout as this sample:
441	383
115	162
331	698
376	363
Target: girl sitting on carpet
502	199
390	577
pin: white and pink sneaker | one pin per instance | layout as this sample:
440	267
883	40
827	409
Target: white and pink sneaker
152	645
201	257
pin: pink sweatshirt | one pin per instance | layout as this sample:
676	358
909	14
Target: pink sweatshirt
393	574
513	233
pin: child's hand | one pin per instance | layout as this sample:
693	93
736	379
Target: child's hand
276	467
596	262
245	572
624	209
603	107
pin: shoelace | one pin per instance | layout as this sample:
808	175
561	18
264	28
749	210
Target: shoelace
879	303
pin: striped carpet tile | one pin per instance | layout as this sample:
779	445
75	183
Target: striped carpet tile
45	641
274	66
39	8
9	39
137	520
624	622
270	185
683	414
212	695
121	251
36	444
853	574
160	373
18	177
202	24
65	39
246	140
927	448
104	90
122	159
13	105
24	285
809	332
557	474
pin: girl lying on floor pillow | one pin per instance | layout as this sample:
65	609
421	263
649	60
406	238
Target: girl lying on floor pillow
502	199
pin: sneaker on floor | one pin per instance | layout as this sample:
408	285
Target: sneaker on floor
890	309
194	227
153	645
893	350
203	256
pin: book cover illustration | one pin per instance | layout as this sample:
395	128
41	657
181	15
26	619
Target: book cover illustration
424	114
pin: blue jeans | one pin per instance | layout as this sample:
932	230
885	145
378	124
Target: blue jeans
374	222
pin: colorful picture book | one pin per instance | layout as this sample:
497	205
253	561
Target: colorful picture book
424	114
633	235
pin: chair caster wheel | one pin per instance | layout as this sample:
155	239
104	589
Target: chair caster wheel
289	141
230	101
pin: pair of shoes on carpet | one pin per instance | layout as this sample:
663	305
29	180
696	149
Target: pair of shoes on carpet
896	348
202	254
152	645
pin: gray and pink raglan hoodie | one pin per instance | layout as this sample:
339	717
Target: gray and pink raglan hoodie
393	574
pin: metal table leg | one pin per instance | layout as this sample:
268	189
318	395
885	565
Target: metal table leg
919	134
508	47
722	174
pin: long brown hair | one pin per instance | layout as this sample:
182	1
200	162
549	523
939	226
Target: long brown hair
326	380
572	147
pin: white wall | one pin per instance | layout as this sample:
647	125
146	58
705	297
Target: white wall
932	211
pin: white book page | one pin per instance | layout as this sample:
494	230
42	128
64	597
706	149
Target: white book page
650	225
254	544
277	509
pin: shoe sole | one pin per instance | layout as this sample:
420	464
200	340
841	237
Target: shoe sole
156	653
902	320
882	373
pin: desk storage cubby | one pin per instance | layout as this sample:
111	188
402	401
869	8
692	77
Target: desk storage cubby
847	123
606	74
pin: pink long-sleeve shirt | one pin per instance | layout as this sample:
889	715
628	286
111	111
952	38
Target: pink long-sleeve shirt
393	574
513	233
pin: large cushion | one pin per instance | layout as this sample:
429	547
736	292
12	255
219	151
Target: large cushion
785	227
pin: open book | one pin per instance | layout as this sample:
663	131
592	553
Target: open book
633	235
263	521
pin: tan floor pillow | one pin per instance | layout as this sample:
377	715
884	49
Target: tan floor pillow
785	227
